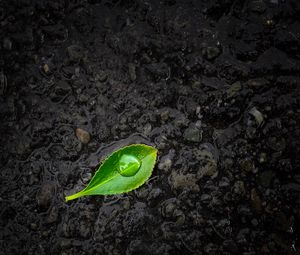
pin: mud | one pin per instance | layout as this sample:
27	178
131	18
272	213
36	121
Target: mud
213	85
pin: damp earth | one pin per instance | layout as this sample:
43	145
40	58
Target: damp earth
213	85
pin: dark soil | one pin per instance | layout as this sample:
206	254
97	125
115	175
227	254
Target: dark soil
214	85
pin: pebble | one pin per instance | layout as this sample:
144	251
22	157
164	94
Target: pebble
23	146
62	88
53	215
262	157
33	226
168	207
205	197
147	128
257	115
164	115
239	188
192	134
180	217
276	143
85	177
44	195
257	6
224	182
7	43
3	84
257	82
76	53
132	72
247	165
83	98
234	89
83	136
166	161
46	68
255	200
84	230
184	181
266	177
101	76
254	222
154	193
207	157
211	53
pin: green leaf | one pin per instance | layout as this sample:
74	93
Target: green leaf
124	170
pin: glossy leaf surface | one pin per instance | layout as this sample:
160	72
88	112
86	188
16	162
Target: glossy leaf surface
124	170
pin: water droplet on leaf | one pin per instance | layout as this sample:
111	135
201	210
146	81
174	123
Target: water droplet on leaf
129	165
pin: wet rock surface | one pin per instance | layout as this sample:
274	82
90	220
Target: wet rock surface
214	85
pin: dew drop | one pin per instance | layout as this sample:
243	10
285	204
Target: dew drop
129	165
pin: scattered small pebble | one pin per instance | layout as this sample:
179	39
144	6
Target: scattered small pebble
83	136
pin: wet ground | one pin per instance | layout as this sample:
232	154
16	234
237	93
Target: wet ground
214	85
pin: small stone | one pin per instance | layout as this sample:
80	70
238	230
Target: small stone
126	204
3	84
84	230
184	181
46	68
233	89
257	82
168	208
276	143
165	164
142	192
83	136
257	115
147	129
211	52
192	134
132	73
76	53
247	165
257	6
207	156
155	193
7	44
33	226
62	88
44	195
181	121
83	98
210	248
101	76
65	243
53	215
255	200
266	178
164	115
262	157
167	161
254	222
239	188
205	197
23	146
86	177
224	182
180	217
